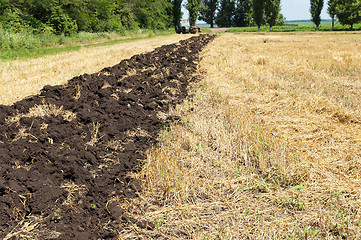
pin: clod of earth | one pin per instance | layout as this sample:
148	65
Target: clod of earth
65	154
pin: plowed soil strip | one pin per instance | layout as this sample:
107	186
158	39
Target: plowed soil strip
65	154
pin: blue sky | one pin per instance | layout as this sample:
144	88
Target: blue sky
300	9
292	10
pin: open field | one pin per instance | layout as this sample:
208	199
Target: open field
266	146
26	77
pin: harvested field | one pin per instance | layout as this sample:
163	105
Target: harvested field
268	147
265	145
66	154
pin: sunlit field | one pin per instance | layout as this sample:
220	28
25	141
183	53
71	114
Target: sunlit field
267	147
22	78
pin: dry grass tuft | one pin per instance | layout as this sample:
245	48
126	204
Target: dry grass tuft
47	110
77	93
44	110
268	148
74	192
94	138
29	230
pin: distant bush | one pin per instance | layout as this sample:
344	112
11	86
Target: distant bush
13	40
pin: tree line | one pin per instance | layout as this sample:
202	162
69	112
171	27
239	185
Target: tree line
70	16
243	13
347	12
237	13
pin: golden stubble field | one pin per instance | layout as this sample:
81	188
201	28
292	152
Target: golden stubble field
268	147
26	77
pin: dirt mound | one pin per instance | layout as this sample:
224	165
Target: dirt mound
65	153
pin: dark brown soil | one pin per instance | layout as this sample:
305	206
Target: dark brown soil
51	174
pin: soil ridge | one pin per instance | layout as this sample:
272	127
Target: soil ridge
66	154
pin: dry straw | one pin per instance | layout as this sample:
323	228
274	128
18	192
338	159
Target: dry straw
268	148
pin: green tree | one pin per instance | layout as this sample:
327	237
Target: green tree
315	9
193	6
331	10
177	12
4	4
348	12
61	22
258	12
225	13
243	13
208	11
77	10
272	11
280	21
126	16
153	14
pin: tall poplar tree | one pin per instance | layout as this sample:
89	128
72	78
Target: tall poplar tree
258	12
193	6
177	12
316	9
225	14
331	10
208	11
243	13
272	11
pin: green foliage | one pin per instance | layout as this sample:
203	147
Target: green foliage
3	6
272	11
208	11
29	45
315	9
10	19
160	221
126	17
243	13
280	21
225	14
14	40
348	12
153	14
193	6
70	16
331	10
61	22
258	12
